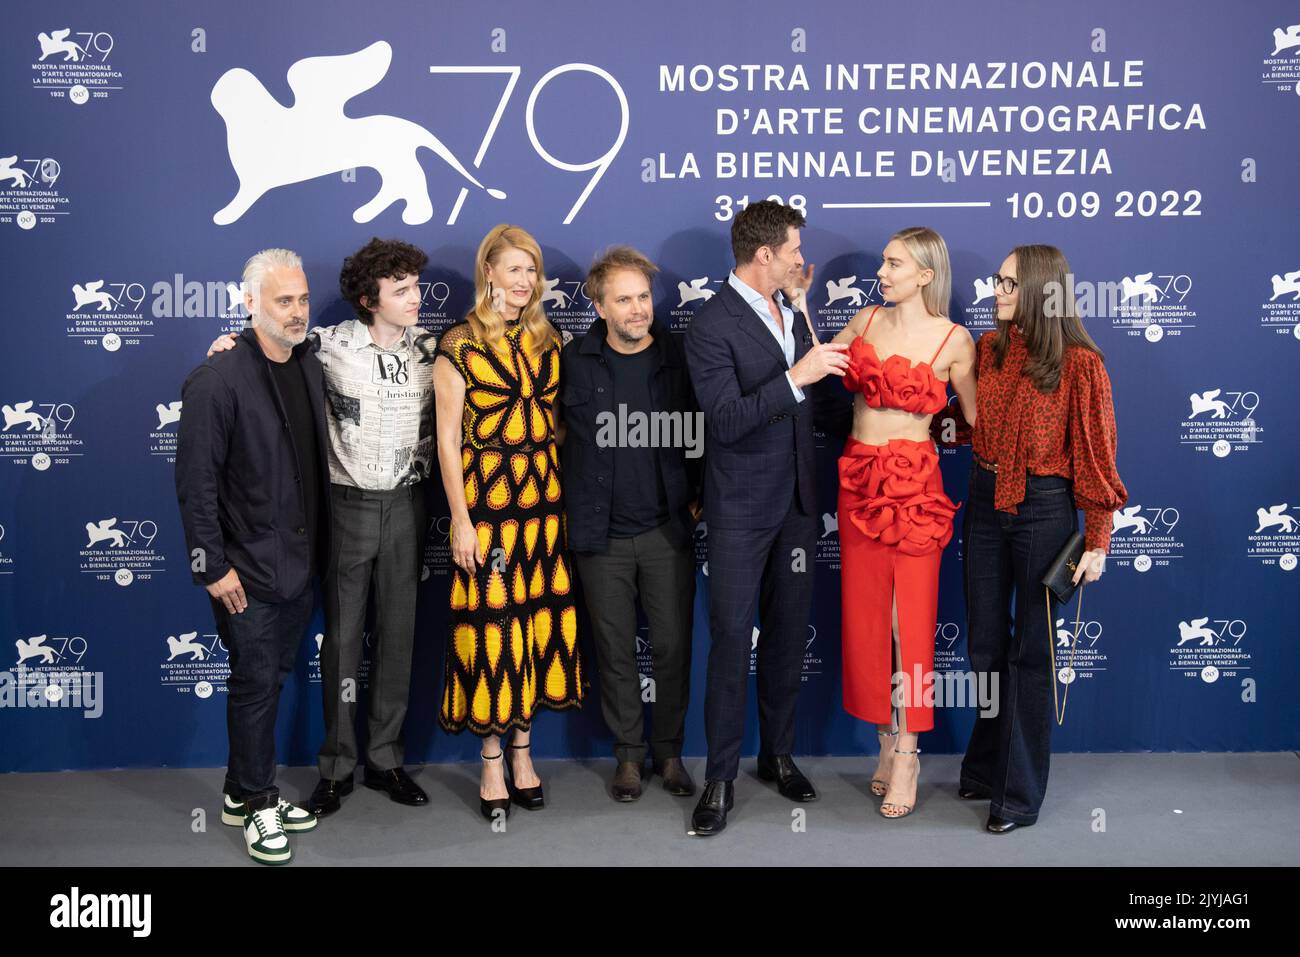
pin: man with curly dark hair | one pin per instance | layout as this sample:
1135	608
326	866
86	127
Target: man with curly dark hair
365	269
379	396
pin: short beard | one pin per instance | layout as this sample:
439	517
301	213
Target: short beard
626	339
276	334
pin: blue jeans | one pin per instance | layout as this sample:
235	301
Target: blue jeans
1005	557
263	643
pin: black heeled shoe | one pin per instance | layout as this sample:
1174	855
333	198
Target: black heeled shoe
530	799
489	807
1000	825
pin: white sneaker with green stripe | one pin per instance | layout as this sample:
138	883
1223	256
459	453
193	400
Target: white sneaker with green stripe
265	837
292	818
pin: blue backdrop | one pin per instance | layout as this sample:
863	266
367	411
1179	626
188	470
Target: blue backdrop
1154	143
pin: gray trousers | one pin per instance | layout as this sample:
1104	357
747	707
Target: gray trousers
377	537
663	575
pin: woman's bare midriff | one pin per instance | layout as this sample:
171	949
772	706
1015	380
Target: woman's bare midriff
878	426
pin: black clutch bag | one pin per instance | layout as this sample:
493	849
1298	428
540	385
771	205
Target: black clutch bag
1060	574
1058	583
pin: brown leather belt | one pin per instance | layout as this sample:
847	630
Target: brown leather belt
985	464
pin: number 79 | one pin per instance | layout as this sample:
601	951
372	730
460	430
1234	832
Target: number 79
599	165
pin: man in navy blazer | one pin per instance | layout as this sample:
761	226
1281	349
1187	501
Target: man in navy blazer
751	354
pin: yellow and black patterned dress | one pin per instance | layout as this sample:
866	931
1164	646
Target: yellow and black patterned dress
513	625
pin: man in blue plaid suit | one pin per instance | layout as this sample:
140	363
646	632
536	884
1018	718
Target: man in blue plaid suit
751	354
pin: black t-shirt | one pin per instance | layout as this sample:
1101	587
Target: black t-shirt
640	503
292	383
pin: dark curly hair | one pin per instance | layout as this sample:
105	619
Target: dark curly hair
761	224
376	260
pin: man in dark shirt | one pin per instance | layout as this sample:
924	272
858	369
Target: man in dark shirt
632	443
250	474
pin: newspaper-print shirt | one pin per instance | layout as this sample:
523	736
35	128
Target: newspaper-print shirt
380	404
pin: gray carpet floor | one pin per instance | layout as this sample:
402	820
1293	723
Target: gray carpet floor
1101	810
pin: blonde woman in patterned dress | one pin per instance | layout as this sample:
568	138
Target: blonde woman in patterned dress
513	643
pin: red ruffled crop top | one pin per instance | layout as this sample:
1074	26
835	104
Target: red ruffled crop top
895	383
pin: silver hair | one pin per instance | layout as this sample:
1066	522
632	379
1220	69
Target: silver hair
256	268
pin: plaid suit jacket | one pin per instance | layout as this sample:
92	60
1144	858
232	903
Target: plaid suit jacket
759	437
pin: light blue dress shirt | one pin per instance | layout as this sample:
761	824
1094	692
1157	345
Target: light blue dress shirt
785	336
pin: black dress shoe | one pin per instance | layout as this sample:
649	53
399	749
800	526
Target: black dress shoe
493	808
627	781
789	779
970	794
530	799
677	780
399	787
710	814
1000	825
326	798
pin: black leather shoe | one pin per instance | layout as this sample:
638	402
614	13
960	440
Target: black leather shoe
789	779
399	787
710	815
530	799
493	808
326	798
677	780
627	781
1000	825
970	794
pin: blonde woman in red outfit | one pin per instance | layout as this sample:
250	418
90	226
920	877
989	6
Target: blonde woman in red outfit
894	517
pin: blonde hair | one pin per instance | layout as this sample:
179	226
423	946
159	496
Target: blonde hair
484	321
930	252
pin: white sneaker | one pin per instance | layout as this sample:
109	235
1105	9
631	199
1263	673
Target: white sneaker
294	818
232	811
265	837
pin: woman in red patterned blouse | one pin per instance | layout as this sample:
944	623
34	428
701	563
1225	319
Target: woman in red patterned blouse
1044	443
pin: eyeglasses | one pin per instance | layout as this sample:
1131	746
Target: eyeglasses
1006	283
